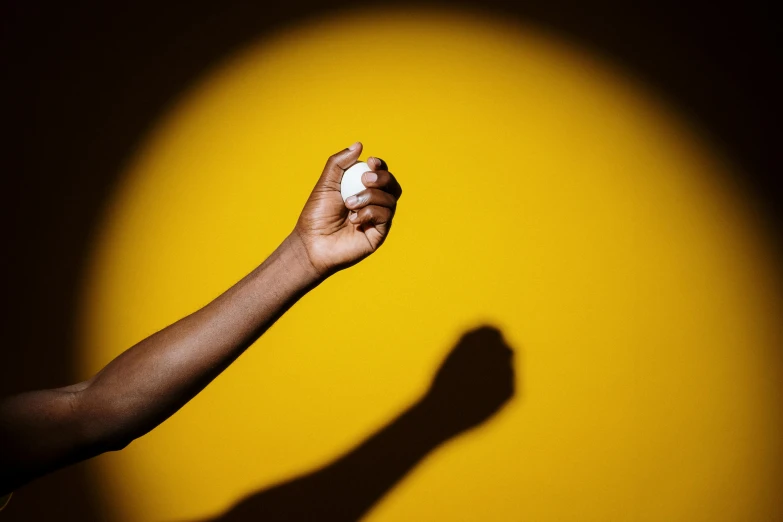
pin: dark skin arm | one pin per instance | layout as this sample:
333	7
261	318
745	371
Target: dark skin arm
41	431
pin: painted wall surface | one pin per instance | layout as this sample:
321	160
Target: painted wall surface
545	192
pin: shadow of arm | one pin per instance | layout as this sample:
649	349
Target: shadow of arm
472	384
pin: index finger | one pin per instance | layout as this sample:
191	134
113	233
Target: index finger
384	180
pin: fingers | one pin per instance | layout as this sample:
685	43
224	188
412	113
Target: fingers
377	163
382	179
339	162
371	196
375	205
373	215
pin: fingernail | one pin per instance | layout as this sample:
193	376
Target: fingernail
351	201
371	177
354	216
354	146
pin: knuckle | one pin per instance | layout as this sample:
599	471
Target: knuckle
371	215
382	215
332	160
372	196
389	200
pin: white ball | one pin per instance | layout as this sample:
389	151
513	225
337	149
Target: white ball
352	180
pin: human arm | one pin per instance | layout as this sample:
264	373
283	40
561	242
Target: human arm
43	430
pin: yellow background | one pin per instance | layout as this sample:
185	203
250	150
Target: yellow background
545	192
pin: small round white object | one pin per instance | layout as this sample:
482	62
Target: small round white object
352	180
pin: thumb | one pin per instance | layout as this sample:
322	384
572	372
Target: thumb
339	162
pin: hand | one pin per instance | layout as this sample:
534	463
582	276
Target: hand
337	235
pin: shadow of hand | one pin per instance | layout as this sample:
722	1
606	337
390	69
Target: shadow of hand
474	381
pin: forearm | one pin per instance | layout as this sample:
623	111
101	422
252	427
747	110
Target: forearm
41	431
149	382
152	380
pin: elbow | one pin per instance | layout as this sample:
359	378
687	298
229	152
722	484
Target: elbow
103	425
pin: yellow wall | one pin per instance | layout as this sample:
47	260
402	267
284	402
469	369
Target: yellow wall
545	192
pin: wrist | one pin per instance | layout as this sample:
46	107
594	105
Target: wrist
429	422
295	253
